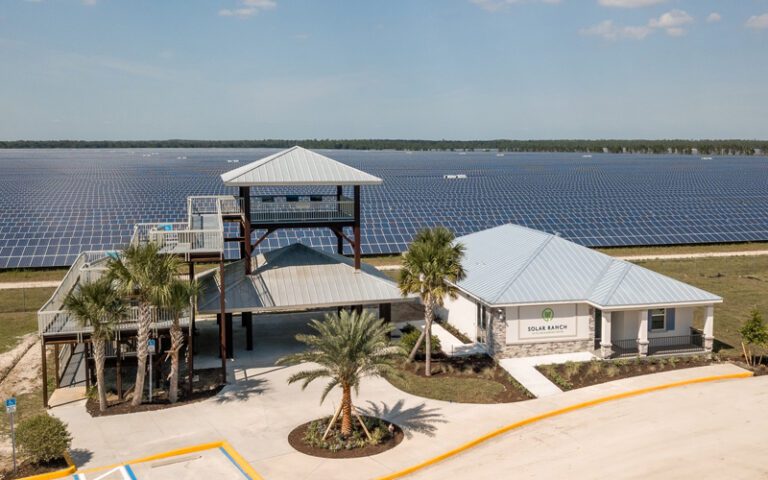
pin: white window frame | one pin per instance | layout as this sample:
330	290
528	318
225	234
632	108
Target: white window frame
663	315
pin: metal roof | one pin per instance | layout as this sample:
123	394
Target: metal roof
297	166
296	277
515	265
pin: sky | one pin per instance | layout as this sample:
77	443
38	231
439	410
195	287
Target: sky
428	69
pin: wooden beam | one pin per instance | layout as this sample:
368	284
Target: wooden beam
262	238
357	227
340	233
119	373
191	336
45	374
230	348
222	325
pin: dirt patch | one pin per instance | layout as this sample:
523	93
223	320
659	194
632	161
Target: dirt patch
206	387
472	379
27	469
296	440
10	358
572	375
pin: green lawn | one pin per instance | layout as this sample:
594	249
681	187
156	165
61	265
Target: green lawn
741	281
32	275
18	313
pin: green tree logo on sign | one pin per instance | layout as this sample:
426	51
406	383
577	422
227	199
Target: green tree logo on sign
547	314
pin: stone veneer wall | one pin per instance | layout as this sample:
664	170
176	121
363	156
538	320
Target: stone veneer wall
499	348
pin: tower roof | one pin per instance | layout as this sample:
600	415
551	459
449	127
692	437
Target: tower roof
297	166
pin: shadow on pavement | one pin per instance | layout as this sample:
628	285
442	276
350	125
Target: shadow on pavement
417	419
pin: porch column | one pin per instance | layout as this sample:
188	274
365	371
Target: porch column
248	321
642	334
709	328
606	347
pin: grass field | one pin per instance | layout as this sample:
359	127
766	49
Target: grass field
741	281
18	313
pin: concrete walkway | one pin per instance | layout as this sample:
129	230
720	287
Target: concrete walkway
705	431
524	371
687	256
258	411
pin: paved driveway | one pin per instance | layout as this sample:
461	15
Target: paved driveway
710	430
256	413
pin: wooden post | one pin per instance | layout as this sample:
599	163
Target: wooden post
357	227
248	318
86	348
45	373
228	334
245	228
222	324
56	363
119	376
191	336
385	312
339	239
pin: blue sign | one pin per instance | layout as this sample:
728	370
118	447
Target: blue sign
10	405
151	345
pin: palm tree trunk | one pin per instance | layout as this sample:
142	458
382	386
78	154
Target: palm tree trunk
145	322
415	349
98	357
177	338
346	411
429	316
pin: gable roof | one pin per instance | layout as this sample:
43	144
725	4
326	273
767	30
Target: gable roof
297	166
293	278
515	265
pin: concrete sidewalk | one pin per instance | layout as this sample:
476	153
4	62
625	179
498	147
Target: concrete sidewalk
524	371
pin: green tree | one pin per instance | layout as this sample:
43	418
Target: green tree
177	303
347	348
753	334
431	268
144	275
98	305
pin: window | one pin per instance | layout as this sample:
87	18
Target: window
658	319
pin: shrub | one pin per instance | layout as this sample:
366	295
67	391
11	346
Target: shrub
571	369
408	340
595	367
378	428
43	438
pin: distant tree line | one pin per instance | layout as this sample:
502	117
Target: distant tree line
706	147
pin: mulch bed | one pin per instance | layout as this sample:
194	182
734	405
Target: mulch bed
296	440
570	376
208	386
27	469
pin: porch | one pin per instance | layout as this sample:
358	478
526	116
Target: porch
273	209
672	345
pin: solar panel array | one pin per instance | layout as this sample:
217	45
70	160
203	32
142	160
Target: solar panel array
56	203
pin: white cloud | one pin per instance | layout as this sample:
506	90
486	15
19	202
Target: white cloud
630	3
248	8
608	30
672	22
714	17
758	22
496	5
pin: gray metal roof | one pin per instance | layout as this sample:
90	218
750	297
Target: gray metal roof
296	277
297	166
515	265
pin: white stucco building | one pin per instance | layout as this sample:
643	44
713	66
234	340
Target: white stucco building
532	293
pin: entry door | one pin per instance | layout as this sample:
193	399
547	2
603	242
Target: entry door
482	324
598	327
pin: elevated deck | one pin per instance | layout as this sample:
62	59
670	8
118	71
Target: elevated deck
282	209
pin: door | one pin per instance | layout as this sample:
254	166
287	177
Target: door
482	324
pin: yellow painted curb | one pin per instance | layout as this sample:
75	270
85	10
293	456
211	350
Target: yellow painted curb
236	457
553	413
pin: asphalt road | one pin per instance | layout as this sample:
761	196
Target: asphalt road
715	430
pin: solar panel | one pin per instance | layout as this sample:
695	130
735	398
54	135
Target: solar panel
56	203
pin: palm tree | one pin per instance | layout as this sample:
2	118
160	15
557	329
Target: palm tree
97	305
431	268
145	276
347	348
177	302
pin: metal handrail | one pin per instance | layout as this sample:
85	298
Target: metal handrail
57	322
302	210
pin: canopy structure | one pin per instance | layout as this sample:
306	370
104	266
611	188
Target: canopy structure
295	278
297	166
514	265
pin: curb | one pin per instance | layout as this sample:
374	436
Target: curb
58	473
553	413
236	458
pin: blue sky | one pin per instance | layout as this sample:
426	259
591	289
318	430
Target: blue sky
458	69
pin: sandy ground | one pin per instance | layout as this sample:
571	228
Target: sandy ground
22	378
